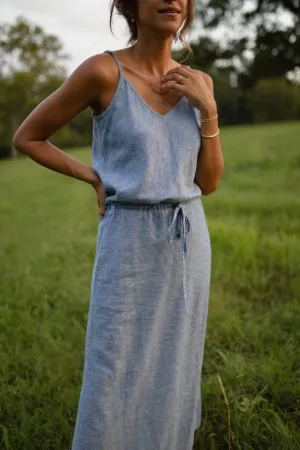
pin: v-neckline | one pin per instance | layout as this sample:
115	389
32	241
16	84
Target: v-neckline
122	76
162	116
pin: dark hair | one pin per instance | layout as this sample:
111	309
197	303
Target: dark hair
129	10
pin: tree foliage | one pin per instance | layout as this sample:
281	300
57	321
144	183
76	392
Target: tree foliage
265	35
31	69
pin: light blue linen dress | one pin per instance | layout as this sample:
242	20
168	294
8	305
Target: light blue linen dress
150	283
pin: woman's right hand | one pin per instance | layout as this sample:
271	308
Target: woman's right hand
101	196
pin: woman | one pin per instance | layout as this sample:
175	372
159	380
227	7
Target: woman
155	150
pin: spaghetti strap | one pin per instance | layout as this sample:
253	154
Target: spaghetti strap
117	61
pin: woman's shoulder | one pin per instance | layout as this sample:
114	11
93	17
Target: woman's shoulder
103	67
104	70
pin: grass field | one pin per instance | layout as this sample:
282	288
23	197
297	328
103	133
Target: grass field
251	373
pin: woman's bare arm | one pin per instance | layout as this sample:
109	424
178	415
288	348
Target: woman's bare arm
78	92
210	163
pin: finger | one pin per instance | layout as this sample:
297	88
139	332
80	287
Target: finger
173	85
189	68
180	69
181	79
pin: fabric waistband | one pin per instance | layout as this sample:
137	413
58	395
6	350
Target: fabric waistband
152	206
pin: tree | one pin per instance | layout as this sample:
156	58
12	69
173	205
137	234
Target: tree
262	44
30	70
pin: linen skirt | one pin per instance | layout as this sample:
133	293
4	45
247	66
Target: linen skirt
145	337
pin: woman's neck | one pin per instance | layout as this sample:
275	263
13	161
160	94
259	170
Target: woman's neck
155	59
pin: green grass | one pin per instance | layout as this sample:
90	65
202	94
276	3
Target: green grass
48	234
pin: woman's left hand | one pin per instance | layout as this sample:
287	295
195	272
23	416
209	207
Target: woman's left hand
194	84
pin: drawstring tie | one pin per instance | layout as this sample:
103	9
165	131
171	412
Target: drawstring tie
183	229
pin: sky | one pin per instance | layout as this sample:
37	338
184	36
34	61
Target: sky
82	26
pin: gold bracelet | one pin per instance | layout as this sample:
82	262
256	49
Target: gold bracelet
213	135
209	120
